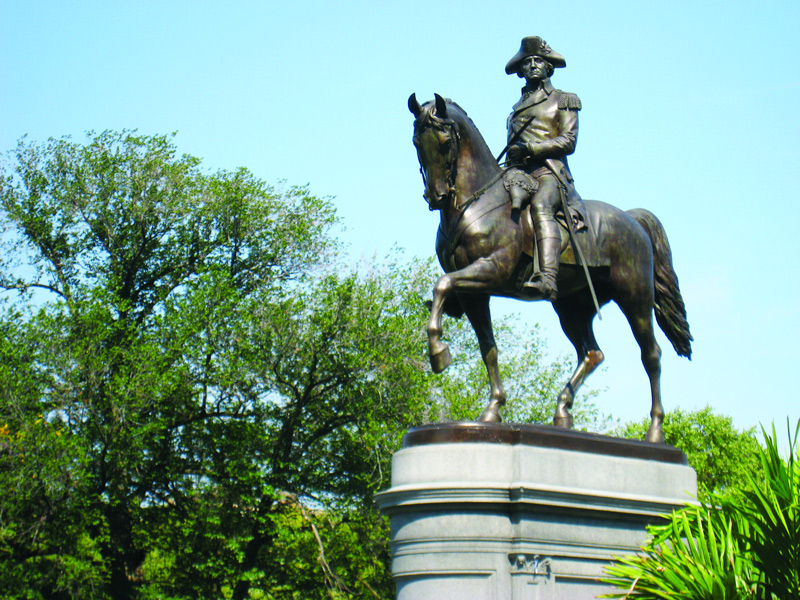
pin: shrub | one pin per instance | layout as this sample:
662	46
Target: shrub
732	548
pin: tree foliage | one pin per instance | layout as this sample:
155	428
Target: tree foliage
198	399
178	379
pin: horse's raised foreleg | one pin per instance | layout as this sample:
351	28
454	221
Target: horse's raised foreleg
576	321
438	351
478	277
477	310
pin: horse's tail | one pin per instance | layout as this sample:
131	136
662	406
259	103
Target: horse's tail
669	307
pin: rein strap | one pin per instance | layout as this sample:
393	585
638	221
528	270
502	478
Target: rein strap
461	225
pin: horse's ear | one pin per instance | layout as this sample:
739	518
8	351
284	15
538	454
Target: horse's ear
414	106
441	107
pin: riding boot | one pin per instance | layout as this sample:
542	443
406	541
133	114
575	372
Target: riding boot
548	244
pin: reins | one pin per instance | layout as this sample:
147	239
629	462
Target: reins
460	226
495	178
501	172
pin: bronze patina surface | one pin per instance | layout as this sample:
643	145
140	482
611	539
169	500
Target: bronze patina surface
543	436
520	230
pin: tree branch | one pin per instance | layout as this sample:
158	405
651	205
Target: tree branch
23	287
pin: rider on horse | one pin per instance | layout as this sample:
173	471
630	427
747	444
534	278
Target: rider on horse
544	128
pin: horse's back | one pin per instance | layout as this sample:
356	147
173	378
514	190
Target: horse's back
615	233
603	213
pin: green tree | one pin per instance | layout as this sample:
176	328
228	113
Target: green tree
198	399
722	455
136	362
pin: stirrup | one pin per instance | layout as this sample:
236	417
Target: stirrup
543	287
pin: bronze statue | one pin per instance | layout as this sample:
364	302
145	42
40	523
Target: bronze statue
485	244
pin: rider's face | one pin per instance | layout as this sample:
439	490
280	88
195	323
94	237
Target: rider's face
533	69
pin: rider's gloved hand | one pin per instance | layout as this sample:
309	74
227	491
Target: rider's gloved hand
517	153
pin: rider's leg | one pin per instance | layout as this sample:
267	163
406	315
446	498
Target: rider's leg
548	238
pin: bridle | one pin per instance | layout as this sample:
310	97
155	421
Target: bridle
453	146
451	159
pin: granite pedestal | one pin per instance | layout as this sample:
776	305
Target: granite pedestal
518	512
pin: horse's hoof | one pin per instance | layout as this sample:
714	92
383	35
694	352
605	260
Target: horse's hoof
565	422
655	435
490	414
441	360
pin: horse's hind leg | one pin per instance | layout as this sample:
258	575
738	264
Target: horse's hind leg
576	321
477	310
641	321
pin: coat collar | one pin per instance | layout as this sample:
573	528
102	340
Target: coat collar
532	97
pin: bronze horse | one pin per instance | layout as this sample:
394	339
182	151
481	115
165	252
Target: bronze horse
485	250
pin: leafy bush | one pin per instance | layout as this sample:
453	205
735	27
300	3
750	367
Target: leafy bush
738	547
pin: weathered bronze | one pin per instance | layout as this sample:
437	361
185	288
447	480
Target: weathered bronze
543	436
487	242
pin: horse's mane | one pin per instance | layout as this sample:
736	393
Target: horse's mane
458	115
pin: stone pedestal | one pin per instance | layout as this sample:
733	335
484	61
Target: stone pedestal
513	512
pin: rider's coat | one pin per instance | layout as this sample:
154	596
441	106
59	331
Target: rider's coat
553	132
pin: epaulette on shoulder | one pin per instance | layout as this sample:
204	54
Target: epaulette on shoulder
568	101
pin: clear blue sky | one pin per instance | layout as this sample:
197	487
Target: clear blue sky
690	110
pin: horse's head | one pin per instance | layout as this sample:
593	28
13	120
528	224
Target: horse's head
436	139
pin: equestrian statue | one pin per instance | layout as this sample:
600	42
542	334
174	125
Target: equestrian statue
521	230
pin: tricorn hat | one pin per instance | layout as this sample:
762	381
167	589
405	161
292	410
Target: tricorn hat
534	46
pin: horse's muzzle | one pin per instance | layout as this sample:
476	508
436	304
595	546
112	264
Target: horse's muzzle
440	200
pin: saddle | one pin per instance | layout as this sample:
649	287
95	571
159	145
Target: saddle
519	178
587	228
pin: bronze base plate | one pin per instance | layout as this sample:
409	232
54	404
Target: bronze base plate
544	436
